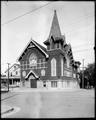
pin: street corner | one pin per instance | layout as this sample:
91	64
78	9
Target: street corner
7	110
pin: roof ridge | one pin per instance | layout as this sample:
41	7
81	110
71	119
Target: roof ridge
40	45
42	48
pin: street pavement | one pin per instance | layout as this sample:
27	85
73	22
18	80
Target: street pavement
53	103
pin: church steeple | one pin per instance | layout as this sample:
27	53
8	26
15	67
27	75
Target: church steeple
55	29
55	39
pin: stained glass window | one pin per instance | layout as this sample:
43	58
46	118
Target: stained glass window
33	60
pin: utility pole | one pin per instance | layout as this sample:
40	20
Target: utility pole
8	76
83	73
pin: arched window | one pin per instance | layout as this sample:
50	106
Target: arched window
61	66
68	62
53	67
33	60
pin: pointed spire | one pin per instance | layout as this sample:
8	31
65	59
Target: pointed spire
55	29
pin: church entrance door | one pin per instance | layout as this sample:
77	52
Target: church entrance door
33	81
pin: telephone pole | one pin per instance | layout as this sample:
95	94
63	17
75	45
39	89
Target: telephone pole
8	76
83	73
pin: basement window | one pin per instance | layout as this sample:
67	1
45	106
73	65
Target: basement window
53	83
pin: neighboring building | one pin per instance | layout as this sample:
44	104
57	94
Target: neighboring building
52	67
14	70
14	74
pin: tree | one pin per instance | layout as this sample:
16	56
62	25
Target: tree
89	76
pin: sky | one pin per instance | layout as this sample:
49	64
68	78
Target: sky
76	20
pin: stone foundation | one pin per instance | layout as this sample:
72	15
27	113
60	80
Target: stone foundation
58	84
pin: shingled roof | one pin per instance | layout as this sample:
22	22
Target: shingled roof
55	31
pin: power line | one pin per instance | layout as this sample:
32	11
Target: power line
25	14
79	20
35	10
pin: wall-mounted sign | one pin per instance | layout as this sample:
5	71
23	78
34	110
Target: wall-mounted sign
23	73
43	72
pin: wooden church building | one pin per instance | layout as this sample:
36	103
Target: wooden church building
51	67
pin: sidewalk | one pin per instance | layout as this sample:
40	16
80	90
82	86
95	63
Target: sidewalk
42	89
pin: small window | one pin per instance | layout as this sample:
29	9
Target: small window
53	83
14	67
48	47
16	72
39	63
68	62
25	64
11	73
22	65
57	45
43	62
74	75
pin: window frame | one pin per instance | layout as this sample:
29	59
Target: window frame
53	67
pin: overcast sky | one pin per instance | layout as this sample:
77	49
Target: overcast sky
76	20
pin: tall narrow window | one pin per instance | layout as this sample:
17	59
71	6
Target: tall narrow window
62	67
57	45
60	45
44	62
40	63
26	65
68	62
22	65
53	67
16	72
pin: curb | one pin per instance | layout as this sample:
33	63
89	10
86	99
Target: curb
7	111
45	90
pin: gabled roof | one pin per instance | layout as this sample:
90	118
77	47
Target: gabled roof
41	48
15	64
32	72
